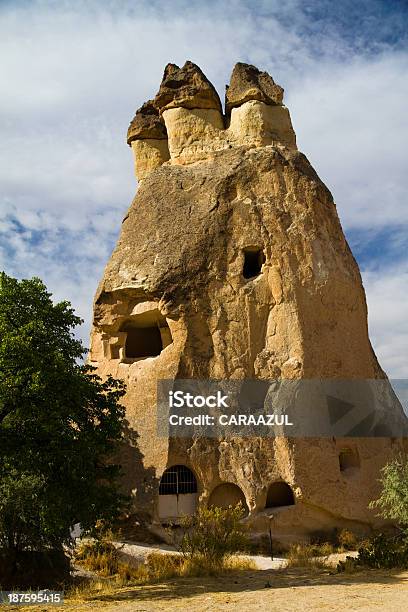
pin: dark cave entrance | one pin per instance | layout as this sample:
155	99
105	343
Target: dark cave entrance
279	494
254	259
143	342
147	334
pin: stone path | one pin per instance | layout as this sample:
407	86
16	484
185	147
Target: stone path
137	553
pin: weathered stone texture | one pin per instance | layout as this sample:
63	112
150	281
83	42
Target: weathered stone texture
249	83
187	87
180	256
147	123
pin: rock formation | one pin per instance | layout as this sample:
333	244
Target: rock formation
232	264
249	83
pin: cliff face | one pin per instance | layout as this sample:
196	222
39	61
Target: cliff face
233	256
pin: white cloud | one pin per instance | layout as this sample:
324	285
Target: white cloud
73	73
387	316
350	121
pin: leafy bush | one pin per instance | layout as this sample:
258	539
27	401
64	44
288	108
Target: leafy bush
212	535
348	566
387	551
380	552
384	551
24	569
393	501
60	425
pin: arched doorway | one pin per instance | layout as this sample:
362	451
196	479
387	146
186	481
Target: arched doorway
227	494
177	492
279	494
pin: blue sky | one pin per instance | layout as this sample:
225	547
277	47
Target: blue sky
73	73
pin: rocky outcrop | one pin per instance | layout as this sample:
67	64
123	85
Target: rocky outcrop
249	83
186	87
147	136
147	123
232	264
187	112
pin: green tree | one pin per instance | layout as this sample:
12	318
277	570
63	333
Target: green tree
59	424
393	501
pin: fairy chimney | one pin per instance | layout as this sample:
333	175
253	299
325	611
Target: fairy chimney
232	265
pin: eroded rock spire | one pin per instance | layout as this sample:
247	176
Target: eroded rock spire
232	265
186	87
184	123
249	83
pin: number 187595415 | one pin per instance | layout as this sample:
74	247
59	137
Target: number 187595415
31	597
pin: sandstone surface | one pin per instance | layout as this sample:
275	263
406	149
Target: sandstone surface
147	123
187	87
249	83
177	302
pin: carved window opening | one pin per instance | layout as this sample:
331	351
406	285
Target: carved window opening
147	334
349	460
279	494
143	342
254	259
177	480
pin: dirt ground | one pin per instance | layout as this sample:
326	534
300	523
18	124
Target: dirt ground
266	590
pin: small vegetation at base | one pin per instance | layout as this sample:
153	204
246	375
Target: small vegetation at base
102	557
323	544
105	560
98	556
393	501
347	540
387	551
207	545
380	552
308	556
164	566
209	537
338	540
158	567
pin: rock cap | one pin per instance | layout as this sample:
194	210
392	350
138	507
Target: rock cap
186	87
249	83
147	123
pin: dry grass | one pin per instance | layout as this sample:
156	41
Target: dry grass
158	567
89	589
201	566
282	590
309	556
98	556
348	540
103	558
